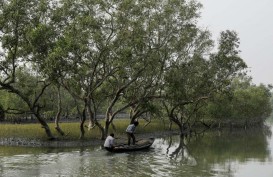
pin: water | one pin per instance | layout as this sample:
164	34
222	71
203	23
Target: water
240	154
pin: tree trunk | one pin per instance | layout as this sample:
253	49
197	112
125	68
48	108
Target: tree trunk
103	135
170	125
106	129
246	125
83	118
58	115
93	120
179	124
45	126
91	117
2	114
108	117
180	127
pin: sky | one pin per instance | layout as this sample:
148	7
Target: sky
253	21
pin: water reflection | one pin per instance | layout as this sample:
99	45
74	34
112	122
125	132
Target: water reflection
224	154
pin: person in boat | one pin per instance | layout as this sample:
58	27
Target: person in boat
109	142
130	132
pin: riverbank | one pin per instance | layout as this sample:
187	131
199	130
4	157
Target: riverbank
59	143
32	135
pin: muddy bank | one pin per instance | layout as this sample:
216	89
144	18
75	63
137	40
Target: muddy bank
76	143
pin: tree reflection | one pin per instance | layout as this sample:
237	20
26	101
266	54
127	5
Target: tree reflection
235	146
180	153
219	153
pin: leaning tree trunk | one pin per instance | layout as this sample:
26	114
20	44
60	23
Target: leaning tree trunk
45	126
58	115
179	124
103	135
93	121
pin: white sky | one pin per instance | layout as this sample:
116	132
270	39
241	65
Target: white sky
253	21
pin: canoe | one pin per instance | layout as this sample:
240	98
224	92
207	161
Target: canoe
140	145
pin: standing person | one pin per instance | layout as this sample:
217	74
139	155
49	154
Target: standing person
109	142
130	132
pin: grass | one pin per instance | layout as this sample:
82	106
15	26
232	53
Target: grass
72	130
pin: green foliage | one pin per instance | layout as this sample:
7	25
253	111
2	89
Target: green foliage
11	103
245	102
252	102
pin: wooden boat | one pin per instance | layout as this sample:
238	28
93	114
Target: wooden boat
140	145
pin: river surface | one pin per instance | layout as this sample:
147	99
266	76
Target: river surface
238	154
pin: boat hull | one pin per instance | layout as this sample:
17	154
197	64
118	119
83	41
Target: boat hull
140	145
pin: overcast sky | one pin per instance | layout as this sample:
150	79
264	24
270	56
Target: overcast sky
253	21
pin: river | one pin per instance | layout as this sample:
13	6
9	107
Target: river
221	154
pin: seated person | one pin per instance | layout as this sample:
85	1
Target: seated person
109	142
